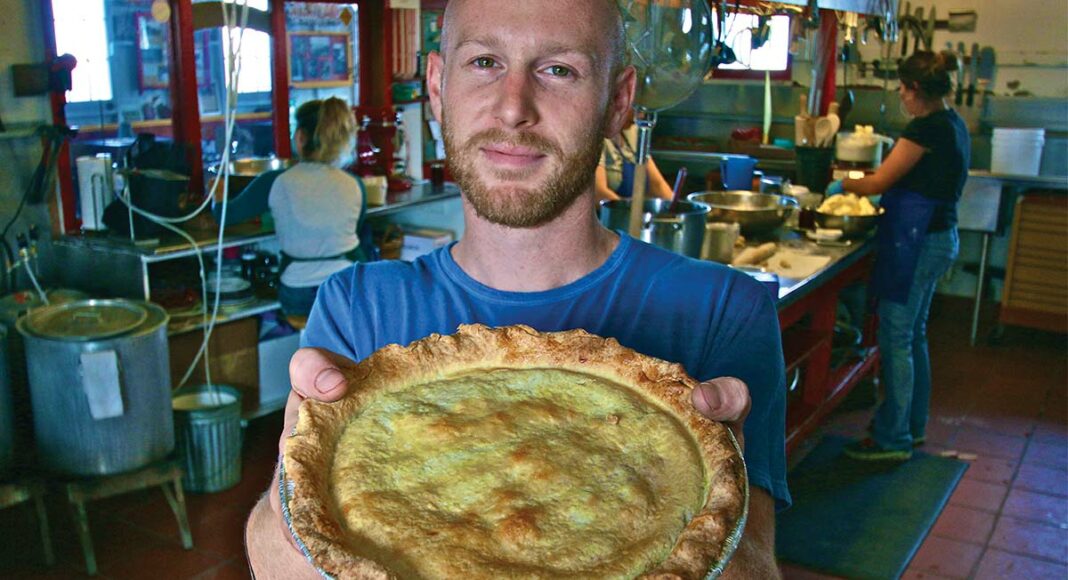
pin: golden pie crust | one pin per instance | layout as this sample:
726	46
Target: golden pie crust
506	452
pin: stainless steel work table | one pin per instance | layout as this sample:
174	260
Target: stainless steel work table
108	265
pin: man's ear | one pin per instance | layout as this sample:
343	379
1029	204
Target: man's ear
621	100
435	74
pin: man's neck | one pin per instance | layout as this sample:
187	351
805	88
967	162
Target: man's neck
534	259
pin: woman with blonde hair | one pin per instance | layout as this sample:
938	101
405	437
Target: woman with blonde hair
316	205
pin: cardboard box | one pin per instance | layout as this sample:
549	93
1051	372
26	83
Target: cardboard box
232	353
419	241
274	355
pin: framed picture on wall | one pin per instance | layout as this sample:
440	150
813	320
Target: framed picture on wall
153	53
320	59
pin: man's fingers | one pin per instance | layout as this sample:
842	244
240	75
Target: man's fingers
317	374
314	374
724	399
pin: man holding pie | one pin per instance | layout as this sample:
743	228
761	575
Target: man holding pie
526	92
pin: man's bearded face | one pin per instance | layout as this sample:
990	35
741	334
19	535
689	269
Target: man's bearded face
523	197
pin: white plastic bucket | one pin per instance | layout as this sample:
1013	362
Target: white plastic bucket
1017	151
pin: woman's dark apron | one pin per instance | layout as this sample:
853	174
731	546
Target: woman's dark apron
899	240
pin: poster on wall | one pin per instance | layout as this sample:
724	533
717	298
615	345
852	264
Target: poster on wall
153	64
320	59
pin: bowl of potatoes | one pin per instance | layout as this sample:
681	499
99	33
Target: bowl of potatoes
854	216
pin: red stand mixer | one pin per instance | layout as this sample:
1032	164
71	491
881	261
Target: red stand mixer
377	145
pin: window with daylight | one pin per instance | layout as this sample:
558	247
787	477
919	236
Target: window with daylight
81	30
254	74
772	55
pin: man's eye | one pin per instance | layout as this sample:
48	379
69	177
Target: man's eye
485	62
559	71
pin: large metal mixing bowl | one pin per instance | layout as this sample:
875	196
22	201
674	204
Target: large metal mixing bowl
852	226
253	166
755	213
243	171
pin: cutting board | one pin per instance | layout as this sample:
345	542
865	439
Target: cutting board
797	265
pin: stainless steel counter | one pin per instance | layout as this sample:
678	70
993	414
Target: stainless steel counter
114	266
172	246
1051	182
842	257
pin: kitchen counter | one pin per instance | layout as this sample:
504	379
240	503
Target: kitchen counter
842	258
1051	182
820	372
170	246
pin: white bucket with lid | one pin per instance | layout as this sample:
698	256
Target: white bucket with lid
1016	151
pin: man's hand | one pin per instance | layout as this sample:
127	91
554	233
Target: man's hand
725	399
314	374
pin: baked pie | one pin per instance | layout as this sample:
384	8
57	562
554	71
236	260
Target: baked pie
509	453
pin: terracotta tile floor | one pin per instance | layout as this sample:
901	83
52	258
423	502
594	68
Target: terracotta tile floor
1008	403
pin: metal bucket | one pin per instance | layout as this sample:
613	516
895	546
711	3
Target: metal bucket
207	422
681	231
7	413
12	307
100	385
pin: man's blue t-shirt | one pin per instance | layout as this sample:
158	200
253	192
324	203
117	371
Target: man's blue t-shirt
713	320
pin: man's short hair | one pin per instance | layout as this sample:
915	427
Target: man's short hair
617	39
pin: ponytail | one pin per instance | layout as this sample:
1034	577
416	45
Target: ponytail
328	127
929	73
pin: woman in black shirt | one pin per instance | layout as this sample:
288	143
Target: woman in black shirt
921	182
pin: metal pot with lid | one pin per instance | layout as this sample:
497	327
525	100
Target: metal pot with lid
99	379
12	307
680	229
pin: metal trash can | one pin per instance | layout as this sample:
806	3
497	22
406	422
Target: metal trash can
207	425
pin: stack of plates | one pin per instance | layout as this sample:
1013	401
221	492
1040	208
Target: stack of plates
232	290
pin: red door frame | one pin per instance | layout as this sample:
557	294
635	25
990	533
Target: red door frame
58	101
185	102
184	98
280	76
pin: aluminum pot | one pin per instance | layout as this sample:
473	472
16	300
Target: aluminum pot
681	231
12	307
756	213
99	377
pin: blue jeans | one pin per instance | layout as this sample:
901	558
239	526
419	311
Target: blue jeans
296	301
906	365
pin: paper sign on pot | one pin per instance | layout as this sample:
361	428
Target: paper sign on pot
100	381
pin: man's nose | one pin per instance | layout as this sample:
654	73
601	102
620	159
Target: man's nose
516	103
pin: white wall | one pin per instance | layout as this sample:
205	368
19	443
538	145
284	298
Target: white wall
1030	38
23	43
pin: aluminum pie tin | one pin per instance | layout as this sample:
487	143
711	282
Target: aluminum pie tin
285	491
